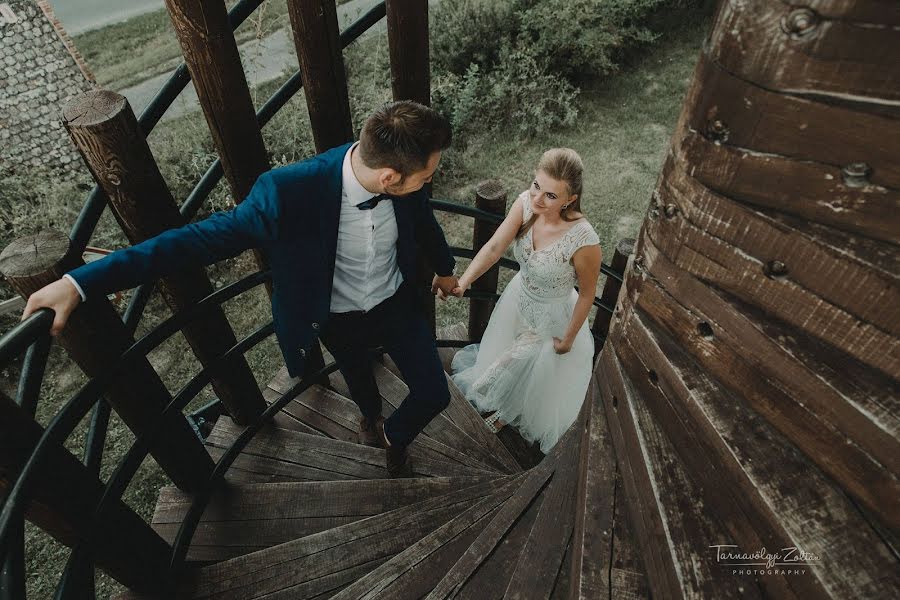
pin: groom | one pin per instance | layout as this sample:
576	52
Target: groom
340	231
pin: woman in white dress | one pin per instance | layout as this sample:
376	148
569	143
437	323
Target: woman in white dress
534	363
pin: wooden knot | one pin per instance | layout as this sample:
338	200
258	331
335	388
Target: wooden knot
638	265
775	268
671	210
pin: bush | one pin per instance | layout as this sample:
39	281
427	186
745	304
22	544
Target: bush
516	94
515	65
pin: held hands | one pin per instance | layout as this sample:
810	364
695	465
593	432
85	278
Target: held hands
461	287
443	286
561	346
61	296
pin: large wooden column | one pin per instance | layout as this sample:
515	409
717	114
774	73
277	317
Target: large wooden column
318	44
751	377
63	501
95	337
490	196
212	58
103	127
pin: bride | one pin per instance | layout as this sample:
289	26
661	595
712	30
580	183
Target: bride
533	366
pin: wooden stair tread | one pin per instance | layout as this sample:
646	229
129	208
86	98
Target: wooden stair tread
240	519
310	566
295	450
773	496
673	528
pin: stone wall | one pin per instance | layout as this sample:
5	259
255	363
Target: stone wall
40	71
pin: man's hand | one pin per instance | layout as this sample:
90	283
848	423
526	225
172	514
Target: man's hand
443	286
61	296
460	290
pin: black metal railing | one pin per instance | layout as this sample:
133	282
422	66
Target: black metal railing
31	338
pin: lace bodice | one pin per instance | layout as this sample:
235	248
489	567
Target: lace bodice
548	274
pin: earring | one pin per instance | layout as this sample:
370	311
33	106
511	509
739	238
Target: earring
565	206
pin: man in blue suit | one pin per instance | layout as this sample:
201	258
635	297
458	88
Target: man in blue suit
341	232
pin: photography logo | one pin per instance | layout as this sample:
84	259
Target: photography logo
786	561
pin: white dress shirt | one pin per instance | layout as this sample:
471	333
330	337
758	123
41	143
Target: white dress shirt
365	268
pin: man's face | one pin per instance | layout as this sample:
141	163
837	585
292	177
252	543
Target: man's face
416	181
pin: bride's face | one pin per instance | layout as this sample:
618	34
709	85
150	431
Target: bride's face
548	195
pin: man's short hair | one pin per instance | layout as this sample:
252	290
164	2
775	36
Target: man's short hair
403	135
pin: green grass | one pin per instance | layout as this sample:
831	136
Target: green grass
110	51
622	133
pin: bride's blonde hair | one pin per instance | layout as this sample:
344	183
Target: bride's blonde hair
561	164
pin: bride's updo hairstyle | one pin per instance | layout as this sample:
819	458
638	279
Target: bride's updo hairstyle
561	164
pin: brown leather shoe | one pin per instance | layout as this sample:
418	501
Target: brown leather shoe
371	433
398	463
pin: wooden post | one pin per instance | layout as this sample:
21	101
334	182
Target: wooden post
63	501
490	196
407	23
212	58
610	294
95	337
317	39
103	127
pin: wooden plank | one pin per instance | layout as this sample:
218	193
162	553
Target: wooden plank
249	468
594	505
628	579
786	294
375	583
466	418
807	190
811	423
737	113
441	429
541	558
303	560
334	455
796	50
674	531
494	532
245	518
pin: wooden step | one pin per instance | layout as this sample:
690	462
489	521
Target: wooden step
241	519
672	524
321	564
755	481
282	455
334	415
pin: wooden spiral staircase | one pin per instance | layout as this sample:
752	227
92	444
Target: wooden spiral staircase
740	438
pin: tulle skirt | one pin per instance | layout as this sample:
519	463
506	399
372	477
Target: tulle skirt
516	371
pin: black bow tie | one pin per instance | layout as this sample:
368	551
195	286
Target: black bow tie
372	202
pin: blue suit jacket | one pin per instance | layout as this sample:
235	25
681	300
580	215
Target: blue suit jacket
292	214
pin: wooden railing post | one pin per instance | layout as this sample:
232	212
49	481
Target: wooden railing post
104	128
610	294
211	54
407	23
95	337
63	501
318	44
490	196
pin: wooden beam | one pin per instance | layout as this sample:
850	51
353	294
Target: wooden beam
211	54
610	295
94	338
317	40
407	23
104	128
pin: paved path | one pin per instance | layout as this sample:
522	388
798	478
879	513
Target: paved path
264	59
79	16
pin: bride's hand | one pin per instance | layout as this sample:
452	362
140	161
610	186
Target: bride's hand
561	346
460	290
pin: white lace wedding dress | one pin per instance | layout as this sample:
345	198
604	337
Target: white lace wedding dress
515	369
